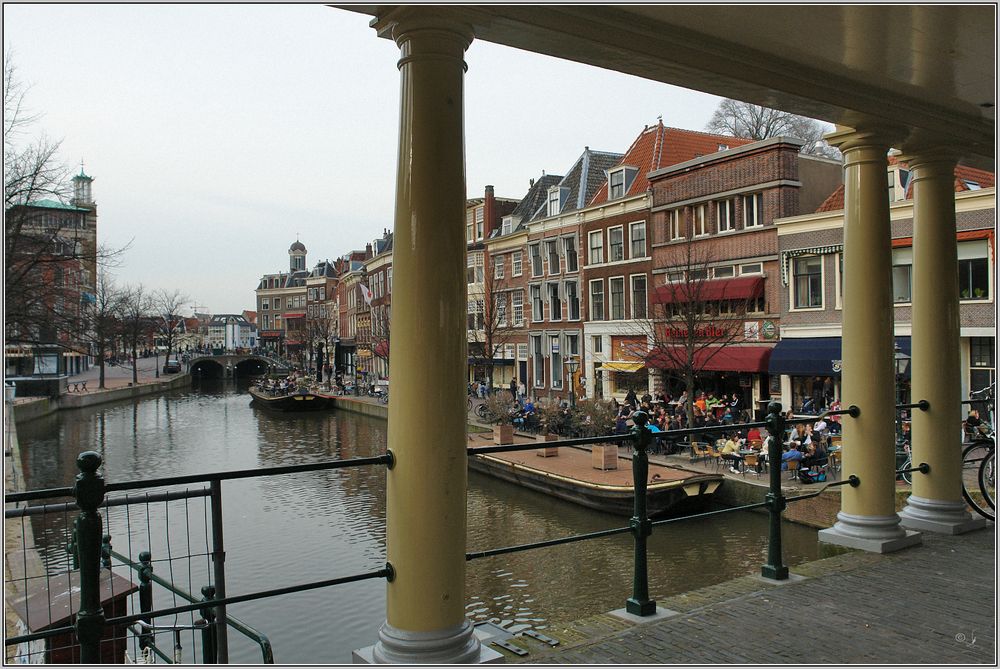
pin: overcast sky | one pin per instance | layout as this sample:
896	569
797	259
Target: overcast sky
217	134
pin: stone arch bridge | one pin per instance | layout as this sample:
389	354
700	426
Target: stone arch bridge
235	365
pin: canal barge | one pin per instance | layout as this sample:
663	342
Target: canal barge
298	400
570	475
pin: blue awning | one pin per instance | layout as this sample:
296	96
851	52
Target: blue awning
814	356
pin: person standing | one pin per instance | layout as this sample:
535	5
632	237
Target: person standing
513	389
630	398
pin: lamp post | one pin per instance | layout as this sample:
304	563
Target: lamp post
902	364
572	364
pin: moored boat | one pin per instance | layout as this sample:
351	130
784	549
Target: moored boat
671	490
298	400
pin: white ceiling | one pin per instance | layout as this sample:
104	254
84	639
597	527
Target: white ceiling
929	71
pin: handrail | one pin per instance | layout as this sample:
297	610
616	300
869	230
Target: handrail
167	496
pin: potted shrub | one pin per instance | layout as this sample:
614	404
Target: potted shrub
500	412
594	418
553	420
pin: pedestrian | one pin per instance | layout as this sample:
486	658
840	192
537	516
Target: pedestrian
630	398
513	389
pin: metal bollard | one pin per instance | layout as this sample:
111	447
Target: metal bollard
146	594
208	633
89	493
639	603
775	500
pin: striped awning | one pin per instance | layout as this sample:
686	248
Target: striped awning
623	366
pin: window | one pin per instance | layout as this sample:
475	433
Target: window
569	250
700	220
973	279
676	276
751	268
522	351
479	222
753	210
517	305
536	303
616	287
507	225
901	283
637	235
698	274
535	252
555	200
616	188
500	302
474	268
555	304
572	301
552	251
725	212
597	300
265	304
724	272
469	233
538	360
515	265
475	312
982	362
556	359
598	344
616	244
498	267
808	273
572	345
674	230
389	277
596	247
639	296
723	147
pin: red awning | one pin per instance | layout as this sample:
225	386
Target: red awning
714	358
293	342
743	288
382	349
297	314
270	334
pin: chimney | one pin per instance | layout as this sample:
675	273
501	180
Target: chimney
489	212
531	183
368	251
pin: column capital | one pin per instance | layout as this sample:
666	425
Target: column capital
402	23
879	136
936	158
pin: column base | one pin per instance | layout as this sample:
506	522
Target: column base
458	645
940	516
660	614
875	534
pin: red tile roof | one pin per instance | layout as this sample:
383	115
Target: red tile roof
963	174
658	146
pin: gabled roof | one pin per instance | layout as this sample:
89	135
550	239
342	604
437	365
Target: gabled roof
582	181
657	147
535	197
964	177
325	269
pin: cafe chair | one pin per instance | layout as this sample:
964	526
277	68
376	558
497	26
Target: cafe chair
750	465
793	469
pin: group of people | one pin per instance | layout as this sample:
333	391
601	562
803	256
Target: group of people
285	386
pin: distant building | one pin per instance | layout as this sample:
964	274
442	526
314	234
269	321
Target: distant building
230	332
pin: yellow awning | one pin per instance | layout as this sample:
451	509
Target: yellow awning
623	366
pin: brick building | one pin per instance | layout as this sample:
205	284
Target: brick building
281	305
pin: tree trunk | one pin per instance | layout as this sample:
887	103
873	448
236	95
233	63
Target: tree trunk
135	363
100	357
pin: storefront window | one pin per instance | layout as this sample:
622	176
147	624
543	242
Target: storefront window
808	282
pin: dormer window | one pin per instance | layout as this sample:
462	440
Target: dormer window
723	147
555	200
619	181
971	185
507	225
899	178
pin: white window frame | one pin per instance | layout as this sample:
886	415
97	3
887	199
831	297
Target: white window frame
535	251
591	248
731	269
498	264
611	304
554	204
699	220
621	232
551	244
632	240
517	307
507	225
570	251
757	206
480	217
539	316
555	314
645	306
500	304
620	186
515	264
675	227
746	268
555	362
726	223
569	301
265	304
538	361
977	249
597	344
591	301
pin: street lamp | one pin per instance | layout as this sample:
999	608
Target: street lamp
902	362
571	364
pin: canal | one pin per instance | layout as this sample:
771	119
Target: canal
292	529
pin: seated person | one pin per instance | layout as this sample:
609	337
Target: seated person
815	455
753	435
731	451
791	453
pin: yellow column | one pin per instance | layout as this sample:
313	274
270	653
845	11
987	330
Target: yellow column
867	519
426	489
936	502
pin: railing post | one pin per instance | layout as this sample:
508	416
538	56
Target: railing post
208	633
89	493
775	500
219	573
639	603
145	594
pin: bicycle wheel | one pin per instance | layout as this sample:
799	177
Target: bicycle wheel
974	457
907	476
469	404
987	479
481	411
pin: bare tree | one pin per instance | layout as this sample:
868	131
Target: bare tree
166	306
381	329
743	119
694	318
321	326
490	323
103	317
136	323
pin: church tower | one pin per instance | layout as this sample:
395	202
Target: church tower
82	194
297	256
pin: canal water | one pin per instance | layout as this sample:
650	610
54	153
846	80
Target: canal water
285	530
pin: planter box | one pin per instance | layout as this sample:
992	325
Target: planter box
503	434
548	451
604	456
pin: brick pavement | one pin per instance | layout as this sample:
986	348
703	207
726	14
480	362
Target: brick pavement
931	604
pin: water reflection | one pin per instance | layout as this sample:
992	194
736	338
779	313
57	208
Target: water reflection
290	529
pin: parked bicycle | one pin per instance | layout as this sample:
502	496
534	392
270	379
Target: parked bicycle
979	456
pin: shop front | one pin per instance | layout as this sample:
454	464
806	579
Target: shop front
810	368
